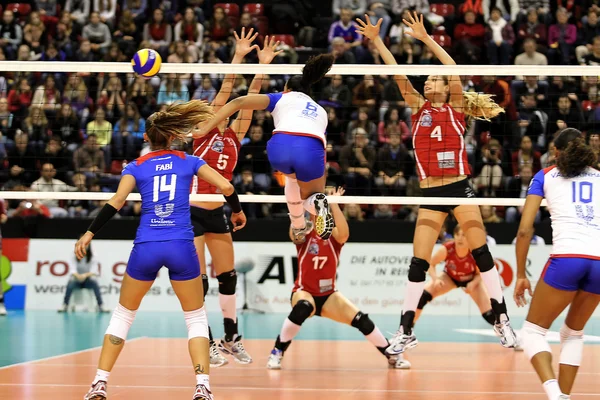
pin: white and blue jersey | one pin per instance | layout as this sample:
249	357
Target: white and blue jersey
574	206
298	142
165	236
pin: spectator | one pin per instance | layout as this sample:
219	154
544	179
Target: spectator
11	34
566	115
357	160
244	184
526	155
21	161
489	215
79	10
47	96
130	129
548	159
530	56
346	29
34	24
517	188
76	94
394	167
420	6
533	122
141	93
85	51
400	40
83	276
392	121
89	159
490	177
358	7
336	94
383	211
594	142
137	8
393	98
587	33
542	7
335	134
219	30
341	52
112	97
6	128
66	126
36	127
191	33
170	9
561	39
500	37
508	10
127	35
55	154
593	57
469	39
33	208
367	93
533	29
98	33
205	91
107	10
19	98
353	212
376	11
172	90
363	122
254	155
102	130
47	183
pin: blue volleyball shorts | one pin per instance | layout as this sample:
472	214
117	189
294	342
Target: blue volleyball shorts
573	273
295	154
178	256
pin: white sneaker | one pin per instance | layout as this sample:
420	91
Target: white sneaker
398	362
216	358
2	309
202	393
300	234
275	358
507	335
518	346
564	397
63	309
324	222
97	391
236	349
401	342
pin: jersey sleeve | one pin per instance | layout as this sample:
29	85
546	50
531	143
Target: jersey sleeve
129	169
196	163
273	99
536	187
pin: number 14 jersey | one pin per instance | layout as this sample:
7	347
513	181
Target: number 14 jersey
438	141
220	151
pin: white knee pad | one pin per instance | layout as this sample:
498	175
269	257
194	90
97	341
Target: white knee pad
533	339
121	321
197	323
571	342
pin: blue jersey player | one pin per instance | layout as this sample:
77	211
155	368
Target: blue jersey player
164	238
572	274
297	148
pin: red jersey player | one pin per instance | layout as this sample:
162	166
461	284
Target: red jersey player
220	149
314	292
439	148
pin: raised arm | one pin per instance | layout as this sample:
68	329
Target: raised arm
413	99
341	232
243	46
242	123
415	23
250	102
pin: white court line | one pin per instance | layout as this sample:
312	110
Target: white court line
362	370
295	389
64	355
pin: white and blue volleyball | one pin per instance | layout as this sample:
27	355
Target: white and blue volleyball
146	62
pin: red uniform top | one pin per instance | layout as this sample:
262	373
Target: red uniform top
460	269
317	265
438	141
220	151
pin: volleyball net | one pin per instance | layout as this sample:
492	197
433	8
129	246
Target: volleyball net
68	128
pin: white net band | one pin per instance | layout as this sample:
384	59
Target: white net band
290	69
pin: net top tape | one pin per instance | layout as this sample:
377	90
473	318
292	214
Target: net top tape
269	199
290	69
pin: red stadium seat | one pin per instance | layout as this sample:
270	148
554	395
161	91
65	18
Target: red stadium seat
443	40
262	23
443	9
231	9
287	39
254	9
233	21
22	9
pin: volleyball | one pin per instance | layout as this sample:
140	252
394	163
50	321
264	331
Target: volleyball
146	62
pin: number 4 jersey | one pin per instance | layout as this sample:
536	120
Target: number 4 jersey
438	140
317	265
220	151
163	179
572	203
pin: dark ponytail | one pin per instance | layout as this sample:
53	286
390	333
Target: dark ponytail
314	70
574	154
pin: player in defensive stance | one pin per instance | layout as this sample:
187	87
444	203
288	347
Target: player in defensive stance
572	274
439	148
314	292
164	238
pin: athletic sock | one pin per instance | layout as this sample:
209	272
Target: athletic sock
414	291
203	379
289	330
101	375
377	338
228	306
294	203
552	389
491	280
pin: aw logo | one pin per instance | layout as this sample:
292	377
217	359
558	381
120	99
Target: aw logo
13	250
506	272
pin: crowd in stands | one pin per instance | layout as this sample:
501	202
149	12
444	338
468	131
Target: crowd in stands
75	131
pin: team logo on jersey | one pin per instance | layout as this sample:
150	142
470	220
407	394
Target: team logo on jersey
426	120
164	212
218	146
313	247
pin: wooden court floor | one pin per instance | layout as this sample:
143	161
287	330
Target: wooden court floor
155	368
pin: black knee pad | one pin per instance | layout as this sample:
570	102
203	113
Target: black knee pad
483	258
489	317
227	282
426	297
205	284
301	312
363	323
417	272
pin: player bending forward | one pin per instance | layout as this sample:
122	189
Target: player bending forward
314	292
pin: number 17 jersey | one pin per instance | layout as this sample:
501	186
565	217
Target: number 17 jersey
574	206
163	179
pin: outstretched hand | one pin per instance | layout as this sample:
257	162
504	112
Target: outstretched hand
415	23
367	29
521	286
269	51
243	44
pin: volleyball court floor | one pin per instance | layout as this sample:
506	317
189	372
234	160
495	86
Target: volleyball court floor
53	356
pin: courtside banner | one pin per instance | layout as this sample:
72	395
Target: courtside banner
371	275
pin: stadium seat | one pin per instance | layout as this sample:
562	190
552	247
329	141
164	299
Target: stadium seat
262	23
254	9
287	39
443	9
22	9
443	40
231	9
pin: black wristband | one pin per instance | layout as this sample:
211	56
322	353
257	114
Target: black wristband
234	202
105	214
